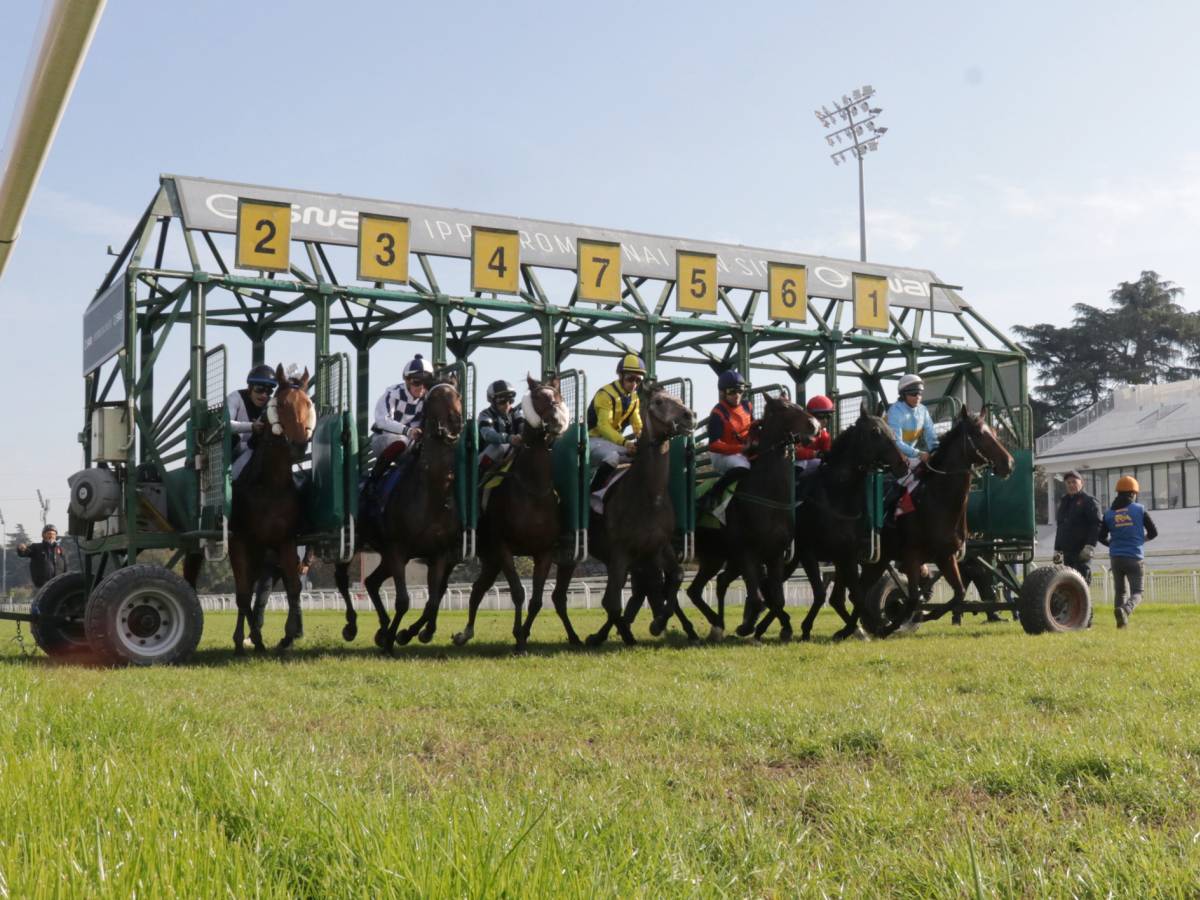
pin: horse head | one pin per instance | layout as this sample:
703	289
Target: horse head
977	445
663	416
290	412
785	422
874	444
544	408
443	411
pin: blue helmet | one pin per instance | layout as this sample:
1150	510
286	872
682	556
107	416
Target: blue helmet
730	378
262	374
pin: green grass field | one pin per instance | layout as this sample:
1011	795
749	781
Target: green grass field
953	762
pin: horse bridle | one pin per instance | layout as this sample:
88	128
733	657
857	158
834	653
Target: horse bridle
981	461
440	431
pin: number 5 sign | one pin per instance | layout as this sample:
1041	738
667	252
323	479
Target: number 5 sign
495	260
870	302
695	281
787	288
264	234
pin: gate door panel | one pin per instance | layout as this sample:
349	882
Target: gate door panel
570	461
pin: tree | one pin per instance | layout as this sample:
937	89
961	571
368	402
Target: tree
1146	338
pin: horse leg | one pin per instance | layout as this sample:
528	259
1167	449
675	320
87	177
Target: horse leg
772	588
812	571
845	583
341	578
373	583
395	561
672	581
192	563
516	590
541	568
559	597
618	570
241	561
638	594
695	592
488	570
912	603
439	578
289	565
262	595
754	602
948	566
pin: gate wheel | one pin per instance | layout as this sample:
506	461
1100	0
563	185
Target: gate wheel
883	603
1054	598
144	615
66	596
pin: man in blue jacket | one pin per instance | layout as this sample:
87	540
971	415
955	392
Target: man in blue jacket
1125	529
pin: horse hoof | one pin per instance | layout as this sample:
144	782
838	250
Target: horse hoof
716	635
805	636
744	630
460	638
595	640
239	649
349	631
574	641
425	636
629	639
284	645
859	635
658	626
785	636
381	639
403	637
520	650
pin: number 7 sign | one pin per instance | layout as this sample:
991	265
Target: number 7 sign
870	302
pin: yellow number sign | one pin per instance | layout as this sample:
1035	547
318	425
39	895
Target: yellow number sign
599	271
382	248
787	290
870	302
264	235
495	260
695	281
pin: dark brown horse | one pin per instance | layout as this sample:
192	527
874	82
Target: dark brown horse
830	523
637	528
265	516
936	530
420	521
522	516
759	519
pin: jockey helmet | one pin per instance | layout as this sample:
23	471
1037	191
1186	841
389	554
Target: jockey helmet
48	527
500	390
911	384
730	378
820	405
418	367
1127	483
631	364
262	374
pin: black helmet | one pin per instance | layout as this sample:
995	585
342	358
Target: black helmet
48	527
500	390
262	374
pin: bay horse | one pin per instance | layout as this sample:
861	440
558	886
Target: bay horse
758	525
830	523
420	520
636	531
265	514
936	530
522	515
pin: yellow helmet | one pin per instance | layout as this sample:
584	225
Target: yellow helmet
1127	483
631	364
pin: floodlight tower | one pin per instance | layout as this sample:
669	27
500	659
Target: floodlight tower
859	129
45	506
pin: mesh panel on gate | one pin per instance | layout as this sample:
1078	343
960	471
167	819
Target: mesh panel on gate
758	397
214	378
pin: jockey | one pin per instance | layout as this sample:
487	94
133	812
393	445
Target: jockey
246	407
729	424
614	407
499	425
911	422
809	457
399	412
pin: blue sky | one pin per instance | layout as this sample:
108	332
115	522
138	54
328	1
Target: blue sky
1037	153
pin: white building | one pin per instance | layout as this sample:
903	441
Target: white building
1151	432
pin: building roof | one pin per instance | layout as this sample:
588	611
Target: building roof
1133	416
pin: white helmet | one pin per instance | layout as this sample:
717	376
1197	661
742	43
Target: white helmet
418	365
910	384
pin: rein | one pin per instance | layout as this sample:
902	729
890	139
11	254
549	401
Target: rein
981	461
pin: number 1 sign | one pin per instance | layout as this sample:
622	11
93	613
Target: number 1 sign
870	302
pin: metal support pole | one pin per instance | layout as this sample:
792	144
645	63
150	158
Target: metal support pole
862	211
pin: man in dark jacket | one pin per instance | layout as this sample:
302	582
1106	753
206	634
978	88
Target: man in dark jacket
45	559
1078	519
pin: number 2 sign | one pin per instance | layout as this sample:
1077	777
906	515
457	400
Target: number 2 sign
264	234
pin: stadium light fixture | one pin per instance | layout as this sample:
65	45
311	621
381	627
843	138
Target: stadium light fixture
859	117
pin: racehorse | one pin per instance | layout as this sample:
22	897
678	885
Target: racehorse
936	529
420	519
522	515
829	521
636	530
265	515
758	525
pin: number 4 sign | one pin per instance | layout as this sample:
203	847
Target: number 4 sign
870	302
495	260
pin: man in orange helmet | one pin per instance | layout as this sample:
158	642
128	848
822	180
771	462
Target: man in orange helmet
1124	530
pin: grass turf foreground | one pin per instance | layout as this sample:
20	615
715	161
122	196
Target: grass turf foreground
953	762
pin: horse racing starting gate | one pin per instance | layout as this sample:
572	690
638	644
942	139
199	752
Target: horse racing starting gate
358	276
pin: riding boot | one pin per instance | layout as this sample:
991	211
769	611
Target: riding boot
603	472
713	497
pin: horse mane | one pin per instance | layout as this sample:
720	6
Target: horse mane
961	422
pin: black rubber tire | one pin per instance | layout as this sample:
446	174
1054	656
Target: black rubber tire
144	616
1054	598
879	605
63	595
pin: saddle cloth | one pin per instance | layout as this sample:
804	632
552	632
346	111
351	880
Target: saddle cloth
492	477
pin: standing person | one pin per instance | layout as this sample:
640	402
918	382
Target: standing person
1124	530
246	406
499	425
399	413
45	559
729	424
613	409
809	456
1078	519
